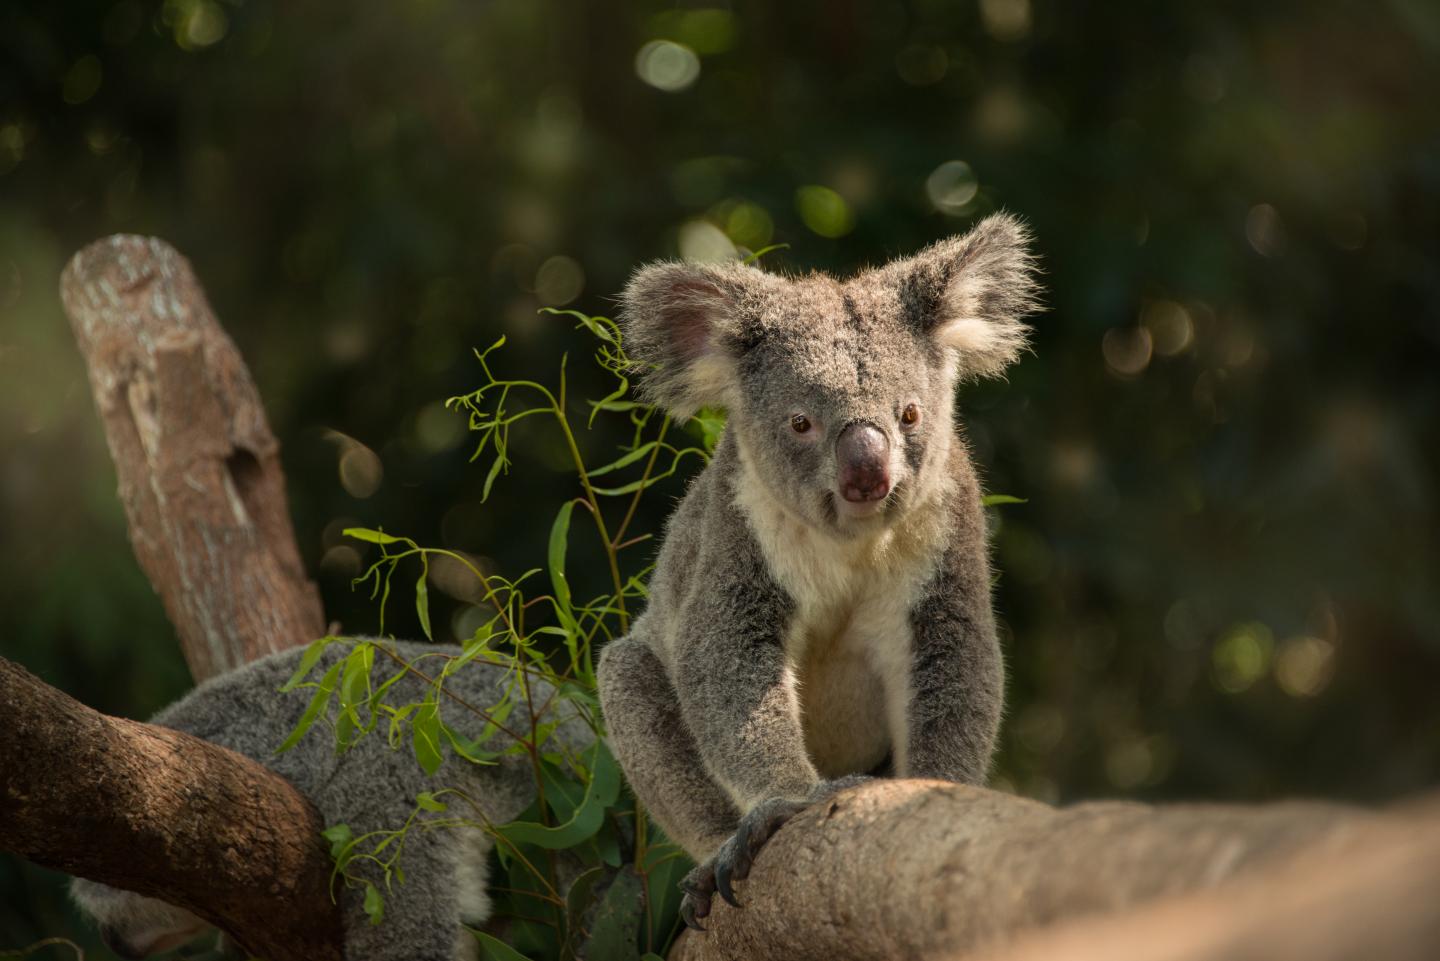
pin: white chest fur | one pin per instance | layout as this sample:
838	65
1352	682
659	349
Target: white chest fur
849	647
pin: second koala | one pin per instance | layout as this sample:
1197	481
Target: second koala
820	609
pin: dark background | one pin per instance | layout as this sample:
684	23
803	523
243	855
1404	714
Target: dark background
1224	582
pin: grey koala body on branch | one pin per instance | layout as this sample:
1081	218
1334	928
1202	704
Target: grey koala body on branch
370	787
820	608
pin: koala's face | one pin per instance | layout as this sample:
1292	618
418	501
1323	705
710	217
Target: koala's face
843	409
132	925
841	393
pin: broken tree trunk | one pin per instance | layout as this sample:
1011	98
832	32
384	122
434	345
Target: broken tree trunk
142	807
926	869
199	469
168	815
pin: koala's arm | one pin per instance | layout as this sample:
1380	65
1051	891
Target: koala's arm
734	684
957	681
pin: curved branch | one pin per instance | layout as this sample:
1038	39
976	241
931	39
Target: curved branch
167	815
925	869
199	469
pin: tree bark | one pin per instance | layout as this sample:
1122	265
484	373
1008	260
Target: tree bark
167	815
925	869
199	469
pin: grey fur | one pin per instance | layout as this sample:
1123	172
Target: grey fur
793	638
369	787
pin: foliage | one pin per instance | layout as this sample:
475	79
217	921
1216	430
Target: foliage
583	871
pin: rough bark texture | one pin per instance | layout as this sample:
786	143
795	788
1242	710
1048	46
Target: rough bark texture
165	814
199	469
923	869
1373	894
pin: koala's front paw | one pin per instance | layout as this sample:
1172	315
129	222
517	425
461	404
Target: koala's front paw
737	855
735	858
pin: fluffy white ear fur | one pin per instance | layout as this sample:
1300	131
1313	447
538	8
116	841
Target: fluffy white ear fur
988	287
679	319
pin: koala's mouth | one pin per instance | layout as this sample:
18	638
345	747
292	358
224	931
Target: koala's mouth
840	511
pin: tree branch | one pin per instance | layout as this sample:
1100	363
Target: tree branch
167	815
925	869
199	469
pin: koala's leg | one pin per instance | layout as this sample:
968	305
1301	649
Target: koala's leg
660	757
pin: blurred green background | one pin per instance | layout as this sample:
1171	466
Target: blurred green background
1226	580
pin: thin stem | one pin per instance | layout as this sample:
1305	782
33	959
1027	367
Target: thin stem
644	478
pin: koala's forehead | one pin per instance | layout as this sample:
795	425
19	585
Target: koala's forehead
839	339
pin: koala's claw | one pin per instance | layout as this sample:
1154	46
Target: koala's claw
698	887
734	859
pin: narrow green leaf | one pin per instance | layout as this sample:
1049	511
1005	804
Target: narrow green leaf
763	251
318	701
495	469
559	534
307	663
374	903
372	537
429	802
625	461
994	500
425	736
422	598
493	949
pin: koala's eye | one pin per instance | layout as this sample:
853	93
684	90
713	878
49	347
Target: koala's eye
800	424
910	416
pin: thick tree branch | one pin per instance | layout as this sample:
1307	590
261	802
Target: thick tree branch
165	814
924	869
199	469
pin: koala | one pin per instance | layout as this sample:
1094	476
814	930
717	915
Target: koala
369	787
820	609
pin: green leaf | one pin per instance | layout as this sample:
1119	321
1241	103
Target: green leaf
578	901
994	500
339	836
763	251
371	537
559	533
625	460
493	949
425	736
604	787
429	802
422	598
495	469
318	702
374	903
615	929
307	663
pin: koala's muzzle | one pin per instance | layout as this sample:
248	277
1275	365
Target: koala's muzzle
863	455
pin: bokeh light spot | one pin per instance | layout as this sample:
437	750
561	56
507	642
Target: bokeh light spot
702	242
666	65
1242	656
361	472
1127	350
824	211
1171	329
82	80
749	225
1006	19
1265	230
951	187
559	280
922	64
438	428
1305	666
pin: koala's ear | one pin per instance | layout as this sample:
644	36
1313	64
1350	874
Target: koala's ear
972	293
683	326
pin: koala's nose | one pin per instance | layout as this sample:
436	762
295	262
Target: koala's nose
863	454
